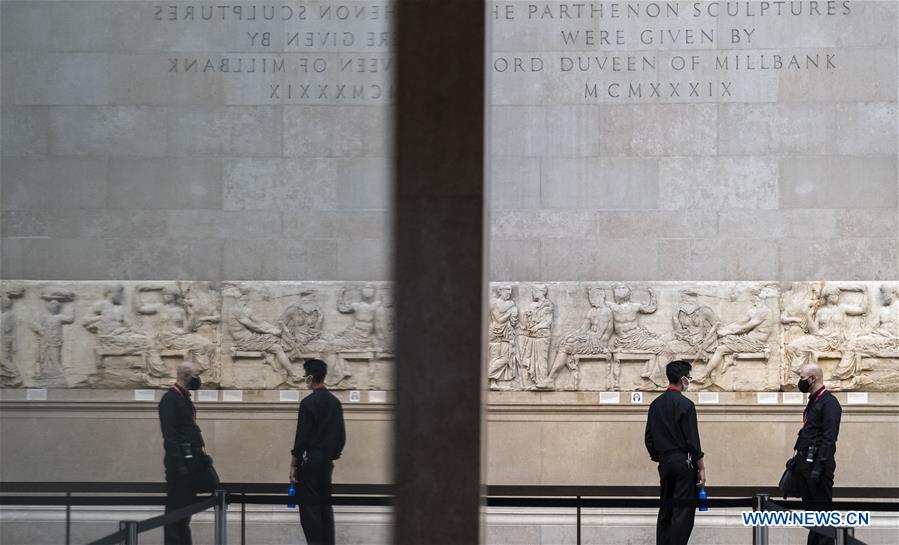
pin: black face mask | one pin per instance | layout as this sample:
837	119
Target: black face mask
804	385
194	383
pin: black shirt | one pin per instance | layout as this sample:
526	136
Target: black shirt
671	425
177	417
320	425
822	425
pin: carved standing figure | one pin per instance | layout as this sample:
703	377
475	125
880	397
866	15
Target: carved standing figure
747	335
9	371
882	338
252	334
825	326
503	359
534	337
592	337
384	322
49	329
631	335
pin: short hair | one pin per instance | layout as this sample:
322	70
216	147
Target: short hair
677	370
317	369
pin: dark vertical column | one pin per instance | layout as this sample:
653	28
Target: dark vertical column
439	258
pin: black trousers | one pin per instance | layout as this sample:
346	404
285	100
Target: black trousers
678	481
317	519
180	491
818	490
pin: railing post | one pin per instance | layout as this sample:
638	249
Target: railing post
759	533
842	532
578	520
130	527
68	518
243	523
221	523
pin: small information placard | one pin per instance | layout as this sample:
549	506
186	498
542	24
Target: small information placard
609	397
233	396
857	398
377	396
636	397
708	397
289	396
766	398
794	398
144	395
36	394
208	395
355	396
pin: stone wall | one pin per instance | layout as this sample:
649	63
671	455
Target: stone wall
694	141
631	140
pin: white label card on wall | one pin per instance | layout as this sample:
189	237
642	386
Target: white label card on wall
234	396
636	397
207	395
857	398
144	395
610	397
289	396
794	398
377	396
708	397
355	396
766	398
36	394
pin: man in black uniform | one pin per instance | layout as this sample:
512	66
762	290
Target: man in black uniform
319	441
184	456
817	443
672	439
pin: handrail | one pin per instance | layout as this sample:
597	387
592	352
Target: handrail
840	536
128	534
112	487
380	495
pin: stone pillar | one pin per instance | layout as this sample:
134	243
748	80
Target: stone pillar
440	248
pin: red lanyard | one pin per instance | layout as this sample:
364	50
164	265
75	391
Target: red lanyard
180	393
805	413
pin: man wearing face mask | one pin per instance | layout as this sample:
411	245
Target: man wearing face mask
319	440
186	465
672	439
817	442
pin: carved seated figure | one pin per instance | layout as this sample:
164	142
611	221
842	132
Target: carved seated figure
115	335
881	340
825	326
252	334
176	331
591	338
746	336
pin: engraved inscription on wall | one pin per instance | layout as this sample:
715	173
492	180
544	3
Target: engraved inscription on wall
542	51
287	53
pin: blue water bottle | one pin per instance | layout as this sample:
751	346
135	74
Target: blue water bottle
291	492
703	496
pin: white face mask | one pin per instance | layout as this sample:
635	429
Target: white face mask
685	384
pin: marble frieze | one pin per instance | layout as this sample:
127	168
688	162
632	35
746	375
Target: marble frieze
579	336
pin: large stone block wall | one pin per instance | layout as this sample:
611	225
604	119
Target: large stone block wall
143	141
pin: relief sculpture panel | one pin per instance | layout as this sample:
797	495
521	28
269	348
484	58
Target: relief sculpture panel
565	336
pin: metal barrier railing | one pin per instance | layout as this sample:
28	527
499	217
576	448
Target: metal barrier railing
841	535
537	496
